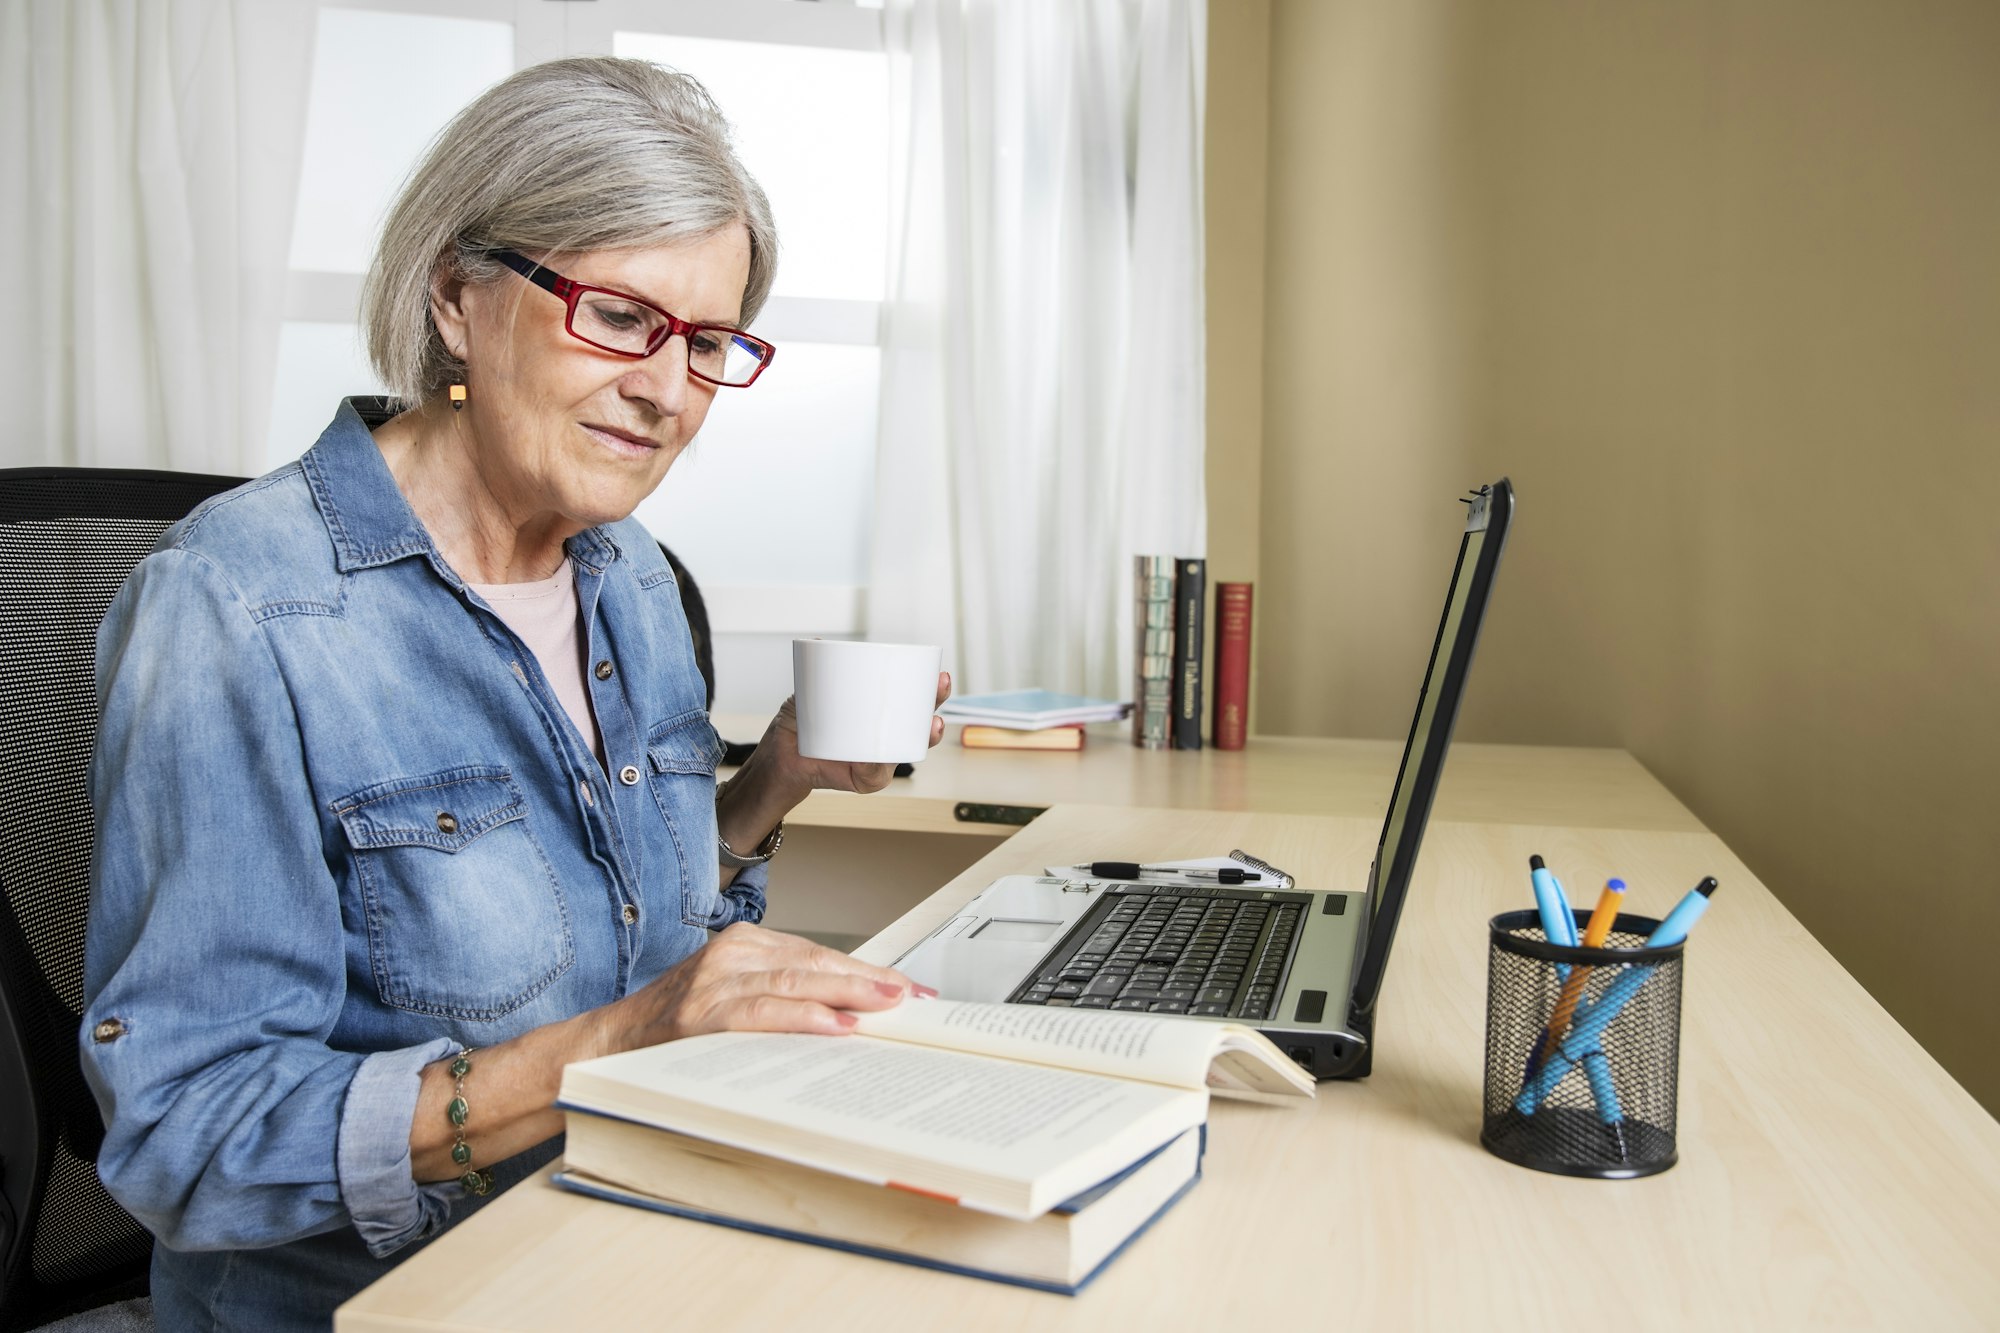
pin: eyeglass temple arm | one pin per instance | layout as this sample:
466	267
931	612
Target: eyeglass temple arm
533	272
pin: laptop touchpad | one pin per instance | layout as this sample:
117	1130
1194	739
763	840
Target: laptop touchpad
1003	930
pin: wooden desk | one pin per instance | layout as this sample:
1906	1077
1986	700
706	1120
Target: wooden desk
1831	1173
1275	774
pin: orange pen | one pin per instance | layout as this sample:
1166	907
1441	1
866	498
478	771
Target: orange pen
1594	936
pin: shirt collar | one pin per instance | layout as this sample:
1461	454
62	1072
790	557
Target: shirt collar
366	515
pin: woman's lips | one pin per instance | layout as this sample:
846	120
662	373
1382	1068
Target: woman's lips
622	441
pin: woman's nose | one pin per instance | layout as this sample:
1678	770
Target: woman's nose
661	380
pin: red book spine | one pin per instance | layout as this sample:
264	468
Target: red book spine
1231	723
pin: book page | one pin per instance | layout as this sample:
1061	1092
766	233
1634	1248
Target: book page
1156	1048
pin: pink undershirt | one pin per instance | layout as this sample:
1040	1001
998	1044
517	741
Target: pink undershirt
543	613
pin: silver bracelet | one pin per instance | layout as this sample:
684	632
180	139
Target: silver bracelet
729	856
765	849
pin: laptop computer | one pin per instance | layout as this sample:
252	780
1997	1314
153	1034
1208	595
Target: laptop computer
1302	964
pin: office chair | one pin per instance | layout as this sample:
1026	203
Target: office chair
734	753
68	538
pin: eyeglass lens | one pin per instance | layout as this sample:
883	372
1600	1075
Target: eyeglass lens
627	326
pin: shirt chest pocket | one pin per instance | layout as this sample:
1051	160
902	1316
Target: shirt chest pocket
464	916
681	755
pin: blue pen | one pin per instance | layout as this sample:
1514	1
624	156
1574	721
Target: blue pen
1681	920
1591	1019
1559	927
1558	922
1605	1093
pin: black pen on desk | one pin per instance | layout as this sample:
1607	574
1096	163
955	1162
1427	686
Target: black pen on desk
1133	870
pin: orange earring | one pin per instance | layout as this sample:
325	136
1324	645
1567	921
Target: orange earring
457	397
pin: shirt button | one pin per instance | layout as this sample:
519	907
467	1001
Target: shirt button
629	775
588	799
604	670
446	824
631	913
111	1029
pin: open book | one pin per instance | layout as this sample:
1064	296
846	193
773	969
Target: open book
1008	1109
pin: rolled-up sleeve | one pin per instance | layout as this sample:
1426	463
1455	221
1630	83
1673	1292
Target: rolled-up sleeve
388	1207
742	899
216	957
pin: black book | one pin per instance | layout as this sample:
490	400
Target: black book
1190	596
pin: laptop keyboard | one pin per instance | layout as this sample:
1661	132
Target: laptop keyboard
1211	952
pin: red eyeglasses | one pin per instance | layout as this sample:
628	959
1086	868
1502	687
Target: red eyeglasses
624	325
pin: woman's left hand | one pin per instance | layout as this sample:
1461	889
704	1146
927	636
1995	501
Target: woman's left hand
781	738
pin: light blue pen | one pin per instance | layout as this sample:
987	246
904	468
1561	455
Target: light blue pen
1558	922
1559	927
1591	1019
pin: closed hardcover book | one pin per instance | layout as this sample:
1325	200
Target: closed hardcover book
1190	596
1153	652
1231	688
1059	1251
1007	738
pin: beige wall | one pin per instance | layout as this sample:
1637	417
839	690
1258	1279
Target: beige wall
1237	150
1717	282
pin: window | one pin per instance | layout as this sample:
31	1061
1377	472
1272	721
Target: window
770	508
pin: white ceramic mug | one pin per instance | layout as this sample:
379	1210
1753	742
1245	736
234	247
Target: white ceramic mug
865	702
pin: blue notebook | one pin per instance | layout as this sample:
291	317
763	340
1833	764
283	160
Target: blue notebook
1060	1252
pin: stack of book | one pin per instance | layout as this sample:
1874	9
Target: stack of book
1028	719
1168	613
1021	1145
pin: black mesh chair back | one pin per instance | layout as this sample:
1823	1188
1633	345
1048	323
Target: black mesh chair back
696	611
68	539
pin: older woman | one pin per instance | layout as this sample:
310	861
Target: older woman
405	787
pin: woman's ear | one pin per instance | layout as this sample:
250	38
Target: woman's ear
448	310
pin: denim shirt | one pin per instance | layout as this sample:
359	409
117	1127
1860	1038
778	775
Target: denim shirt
345	828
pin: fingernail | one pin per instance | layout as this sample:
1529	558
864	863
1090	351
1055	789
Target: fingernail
923	992
888	988
845	1019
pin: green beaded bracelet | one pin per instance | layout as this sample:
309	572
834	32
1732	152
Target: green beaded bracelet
477	1182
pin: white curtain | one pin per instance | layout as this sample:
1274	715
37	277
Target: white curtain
153	150
1042	371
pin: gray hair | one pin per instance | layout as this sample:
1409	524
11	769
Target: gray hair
588	153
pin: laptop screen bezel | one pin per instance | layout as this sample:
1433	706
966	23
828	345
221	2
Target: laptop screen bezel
1390	881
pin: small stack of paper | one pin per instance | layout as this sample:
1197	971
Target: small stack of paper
1032	710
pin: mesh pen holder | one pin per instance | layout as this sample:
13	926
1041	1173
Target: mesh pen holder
1602	1100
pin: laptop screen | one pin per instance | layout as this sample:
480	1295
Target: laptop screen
1430	731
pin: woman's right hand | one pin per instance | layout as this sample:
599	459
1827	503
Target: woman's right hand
748	979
